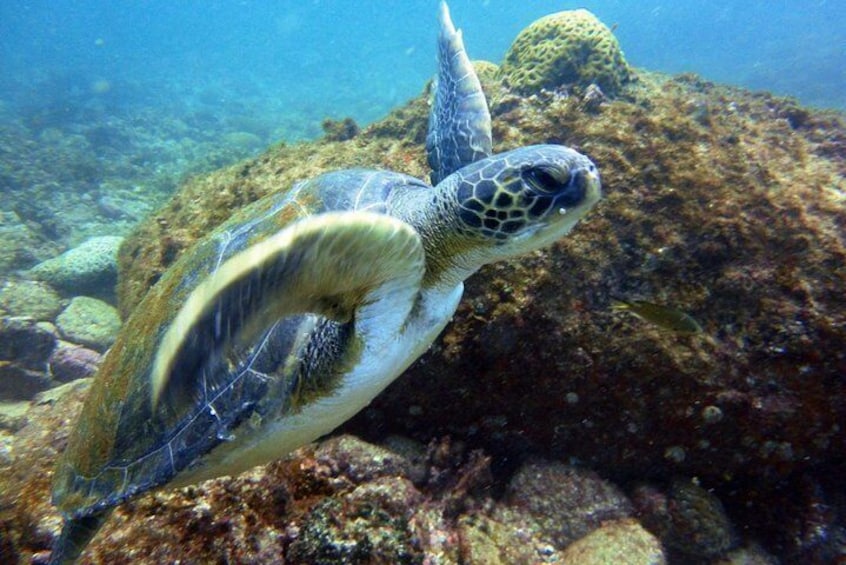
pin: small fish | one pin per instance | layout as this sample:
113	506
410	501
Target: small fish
662	316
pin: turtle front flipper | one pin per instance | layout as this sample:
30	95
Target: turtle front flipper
459	122
331	264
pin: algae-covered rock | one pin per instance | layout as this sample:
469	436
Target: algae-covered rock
487	540
70	362
340	130
617	542
368	525
26	343
25	347
32	299
12	418
19	383
570	48
90	322
565	502
687	518
90	268
754	554
21	246
359	460
720	202
698	522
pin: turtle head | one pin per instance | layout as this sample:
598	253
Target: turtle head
519	201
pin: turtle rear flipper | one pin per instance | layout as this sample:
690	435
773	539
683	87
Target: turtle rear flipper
76	533
330	264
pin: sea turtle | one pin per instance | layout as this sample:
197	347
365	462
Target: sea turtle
294	314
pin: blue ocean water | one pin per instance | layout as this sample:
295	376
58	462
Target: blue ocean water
114	103
312	59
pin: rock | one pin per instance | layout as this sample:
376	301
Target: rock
369	525
750	555
32	299
70	362
90	322
621	542
89	269
7	457
20	383
74	389
340	130
21	246
24	343
490	541
50	328
360	461
24	349
13	416
413	452
687	518
565	502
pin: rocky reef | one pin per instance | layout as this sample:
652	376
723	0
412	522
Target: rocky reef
542	426
721	202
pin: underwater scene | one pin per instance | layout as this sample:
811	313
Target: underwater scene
492	282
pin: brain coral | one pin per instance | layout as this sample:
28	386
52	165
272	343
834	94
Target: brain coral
571	48
90	268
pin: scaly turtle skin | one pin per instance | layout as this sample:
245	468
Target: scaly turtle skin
293	315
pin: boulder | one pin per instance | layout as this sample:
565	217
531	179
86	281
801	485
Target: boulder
32	299
89	269
90	322
25	343
70	362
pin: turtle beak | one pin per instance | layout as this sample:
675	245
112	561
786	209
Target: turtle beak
587	178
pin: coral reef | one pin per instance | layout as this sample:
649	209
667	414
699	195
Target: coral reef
73	167
344	501
563	50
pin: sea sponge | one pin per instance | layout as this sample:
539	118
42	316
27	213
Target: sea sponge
565	49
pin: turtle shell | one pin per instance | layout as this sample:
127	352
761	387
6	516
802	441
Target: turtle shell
123	444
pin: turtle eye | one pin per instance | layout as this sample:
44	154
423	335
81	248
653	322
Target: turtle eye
547	180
